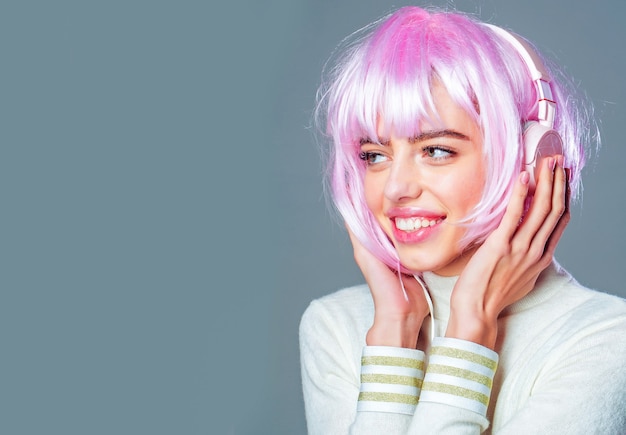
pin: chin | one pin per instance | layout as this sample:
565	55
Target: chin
441	266
418	266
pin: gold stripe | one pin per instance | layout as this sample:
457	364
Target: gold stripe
391	379
388	397
392	361
460	373
465	355
456	391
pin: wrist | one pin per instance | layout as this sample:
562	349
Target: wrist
481	330
394	332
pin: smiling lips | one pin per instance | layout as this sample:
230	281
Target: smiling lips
414	229
415	223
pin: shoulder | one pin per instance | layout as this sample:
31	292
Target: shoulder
595	318
558	294
332	335
342	318
562	318
587	304
588	355
351	306
581	319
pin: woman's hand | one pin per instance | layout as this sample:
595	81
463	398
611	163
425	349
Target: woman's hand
399	312
505	268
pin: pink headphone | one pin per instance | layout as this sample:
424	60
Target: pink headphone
540	138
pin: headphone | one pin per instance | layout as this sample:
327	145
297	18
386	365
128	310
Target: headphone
539	137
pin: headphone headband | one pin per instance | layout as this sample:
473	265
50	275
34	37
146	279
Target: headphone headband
538	73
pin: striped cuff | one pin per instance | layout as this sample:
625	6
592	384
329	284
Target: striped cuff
391	378
460	373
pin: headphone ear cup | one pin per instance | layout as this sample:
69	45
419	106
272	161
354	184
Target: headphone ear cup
539	141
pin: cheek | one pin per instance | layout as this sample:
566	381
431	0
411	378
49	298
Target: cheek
373	188
475	184
462	190
471	191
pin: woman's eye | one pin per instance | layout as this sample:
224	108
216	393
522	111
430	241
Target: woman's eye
435	152
371	158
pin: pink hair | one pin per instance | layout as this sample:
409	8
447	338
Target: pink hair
389	68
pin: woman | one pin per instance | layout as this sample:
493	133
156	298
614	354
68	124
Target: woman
466	323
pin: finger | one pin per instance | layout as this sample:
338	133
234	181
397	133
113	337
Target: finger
568	193
357	246
540	206
559	207
515	208
353	239
554	238
362	256
377	274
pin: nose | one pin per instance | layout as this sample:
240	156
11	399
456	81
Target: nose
403	182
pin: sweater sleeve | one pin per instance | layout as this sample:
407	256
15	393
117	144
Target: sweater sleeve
391	380
456	390
568	378
383	397
331	381
581	388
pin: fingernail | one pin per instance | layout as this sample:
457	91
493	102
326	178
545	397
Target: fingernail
559	160
524	177
551	163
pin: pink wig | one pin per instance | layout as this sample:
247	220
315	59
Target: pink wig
389	68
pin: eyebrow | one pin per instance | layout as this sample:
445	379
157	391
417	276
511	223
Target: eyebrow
434	134
426	135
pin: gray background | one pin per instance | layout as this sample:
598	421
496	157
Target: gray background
163	220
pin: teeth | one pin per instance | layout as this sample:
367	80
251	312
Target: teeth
415	223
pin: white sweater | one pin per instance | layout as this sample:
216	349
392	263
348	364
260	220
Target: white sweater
561	369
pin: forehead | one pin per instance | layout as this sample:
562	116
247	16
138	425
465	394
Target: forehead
381	104
443	113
